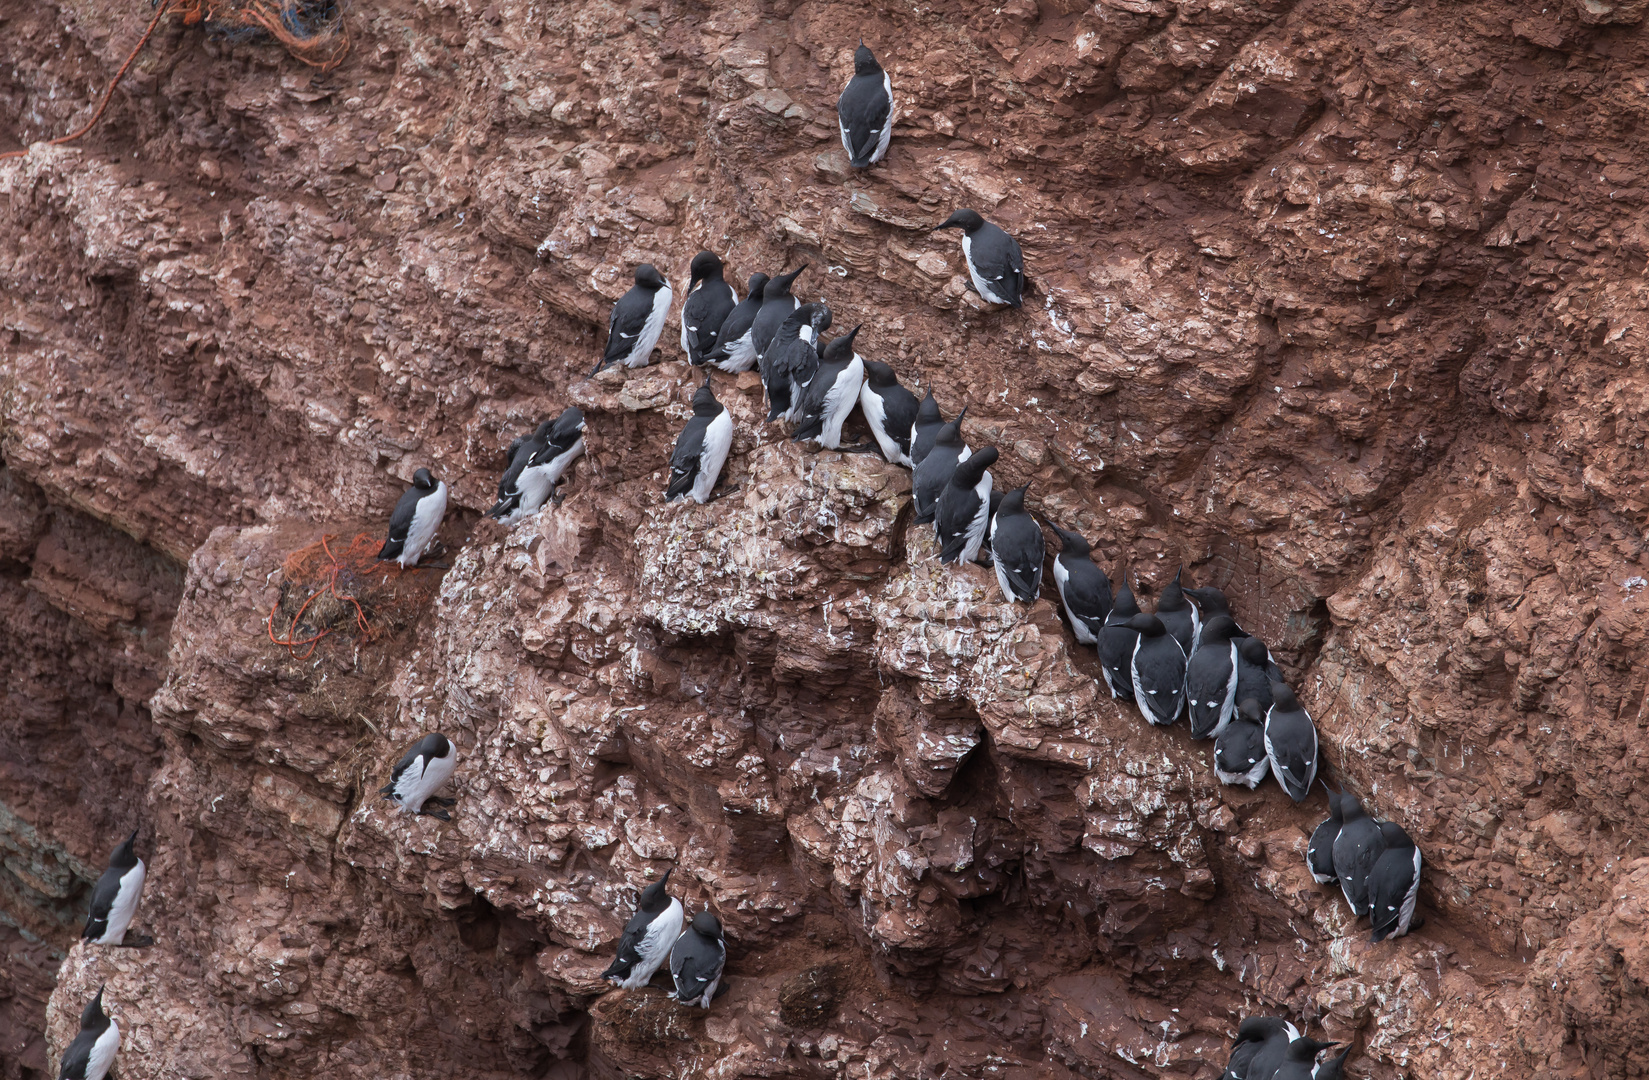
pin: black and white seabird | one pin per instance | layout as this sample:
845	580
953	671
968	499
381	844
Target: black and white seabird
1272	1053
537	467
734	350
114	898
701	448
1255	671
648	937
777	304
890	410
92	1053
1356	850
1084	590
831	393
933	472
1017	549
1211	678
1239	750
791	360
420	773
637	321
1394	883
1300	1060
865	110
964	508
1252	1034
1158	671
925	429
1333	1068
710	299
1291	742
416	518
697	960
1116	644
1178	615
994	260
1211	602
1319	853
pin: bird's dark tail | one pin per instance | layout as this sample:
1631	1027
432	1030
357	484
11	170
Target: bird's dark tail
811	431
681	484
603	362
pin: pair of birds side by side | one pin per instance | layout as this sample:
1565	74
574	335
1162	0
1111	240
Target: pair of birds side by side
1375	863
657	933
1270	1048
115	897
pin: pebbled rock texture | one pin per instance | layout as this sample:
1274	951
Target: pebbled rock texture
1339	304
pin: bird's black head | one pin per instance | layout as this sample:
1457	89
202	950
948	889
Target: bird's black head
1351	807
1013	502
1282	696
966	220
1304	1049
93	1016
1173	597
1070	543
1258	1028
648	277
877	373
780	286
1249	708
1394	835
124	855
928	411
706	264
707	925
1124	606
864	61
971	471
1219	628
1210	600
840	348
704	400
951	433
653	898
820	319
1147	625
1254	651
756	284
423	479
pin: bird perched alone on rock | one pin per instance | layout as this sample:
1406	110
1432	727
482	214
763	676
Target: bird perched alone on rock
1211	678
115	897
1117	639
1239	750
1319	852
865	110
648	936
701	448
791	360
925	429
832	392
1158	671
709	301
420	773
698	959
637	321
890	410
1179	616
92	1053
777	304
933	472
1394	883
964	508
734	350
1300	1060
1084	590
537	466
416	518
1252	1034
1017	549
995	263
1356	850
1291	742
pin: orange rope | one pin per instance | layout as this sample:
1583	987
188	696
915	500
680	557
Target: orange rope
291	641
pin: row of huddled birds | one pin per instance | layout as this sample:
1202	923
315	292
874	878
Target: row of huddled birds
1188	657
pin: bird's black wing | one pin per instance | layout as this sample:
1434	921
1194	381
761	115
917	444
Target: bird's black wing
629	955
624	326
400	767
1088	592
1020	555
996	256
864	109
77	1058
103	898
400	523
684	462
899	414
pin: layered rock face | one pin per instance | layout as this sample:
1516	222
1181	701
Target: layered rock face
1339	305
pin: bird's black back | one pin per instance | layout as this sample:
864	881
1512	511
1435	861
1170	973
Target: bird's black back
707	308
865	109
629	316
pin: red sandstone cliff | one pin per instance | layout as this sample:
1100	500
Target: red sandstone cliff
1341	304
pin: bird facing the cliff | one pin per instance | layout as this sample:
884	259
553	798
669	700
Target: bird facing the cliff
830	395
710	299
537	466
1291	742
1239	750
701	448
933	471
1394	883
734	350
1117	639
697	960
890	410
777	304
92	1053
637	321
420	773
1319	852
1211	678
1356	850
964	508
1252	1034
1158	671
648	937
865	110
1084	590
417	516
924	429
1017	549
995	263
115	897
1178	615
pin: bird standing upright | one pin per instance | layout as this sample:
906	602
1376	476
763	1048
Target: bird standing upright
1117	639
831	393
710	299
417	516
1017	549
1291	742
791	359
115	897
92	1053
995	263
637	321
865	110
1084	590
964	508
701	448
1158	671
697	960
933	472
777	304
734	350
648	936
890	410
925	429
420	773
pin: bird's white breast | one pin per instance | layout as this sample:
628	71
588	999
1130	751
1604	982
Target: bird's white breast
718	440
426	519
102	1056
124	908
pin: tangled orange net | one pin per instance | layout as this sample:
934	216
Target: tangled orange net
311	30
327	590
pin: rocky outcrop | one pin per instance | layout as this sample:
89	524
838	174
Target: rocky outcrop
1338	304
